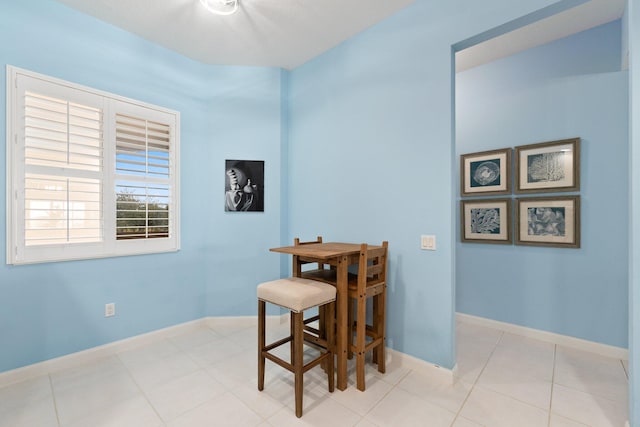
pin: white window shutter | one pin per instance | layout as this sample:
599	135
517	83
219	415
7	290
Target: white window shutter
91	174
63	170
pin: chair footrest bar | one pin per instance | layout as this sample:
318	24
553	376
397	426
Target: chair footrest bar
311	319
315	341
278	361
316	361
278	343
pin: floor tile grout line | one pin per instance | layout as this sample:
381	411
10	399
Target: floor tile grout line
227	390
114	402
142	392
53	397
596	395
626	373
393	387
464	402
553	378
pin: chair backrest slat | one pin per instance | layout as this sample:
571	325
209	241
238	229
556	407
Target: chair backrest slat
375	269
372	268
297	260
297	242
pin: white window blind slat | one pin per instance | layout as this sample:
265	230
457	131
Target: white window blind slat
142	211
60	133
142	146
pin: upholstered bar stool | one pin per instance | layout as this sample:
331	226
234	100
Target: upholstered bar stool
296	295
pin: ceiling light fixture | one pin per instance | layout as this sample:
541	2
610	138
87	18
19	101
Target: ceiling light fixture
221	7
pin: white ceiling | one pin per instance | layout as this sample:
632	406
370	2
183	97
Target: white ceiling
287	33
272	33
572	21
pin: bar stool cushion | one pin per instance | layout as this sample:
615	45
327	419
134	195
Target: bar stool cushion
296	294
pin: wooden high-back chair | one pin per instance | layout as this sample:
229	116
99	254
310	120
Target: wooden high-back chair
297	261
370	285
313	335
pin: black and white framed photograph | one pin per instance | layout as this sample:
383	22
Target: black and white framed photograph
548	221
486	221
485	173
548	167
244	186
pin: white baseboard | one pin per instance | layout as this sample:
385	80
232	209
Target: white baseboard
564	340
419	365
234	323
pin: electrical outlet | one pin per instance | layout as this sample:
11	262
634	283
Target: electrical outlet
109	309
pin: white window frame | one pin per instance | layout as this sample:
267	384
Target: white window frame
17	251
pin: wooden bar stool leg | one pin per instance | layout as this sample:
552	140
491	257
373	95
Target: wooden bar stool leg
292	333
350	311
298	360
331	343
380	329
261	343
361	330
322	329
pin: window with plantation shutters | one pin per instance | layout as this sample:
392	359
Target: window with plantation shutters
63	168
89	174
143	178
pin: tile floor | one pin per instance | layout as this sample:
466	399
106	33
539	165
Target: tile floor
207	377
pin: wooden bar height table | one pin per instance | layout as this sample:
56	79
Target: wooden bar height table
340	256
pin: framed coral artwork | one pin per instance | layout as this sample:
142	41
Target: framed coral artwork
548	167
485	173
486	221
548	221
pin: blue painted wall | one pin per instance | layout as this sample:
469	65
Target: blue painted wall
569	88
372	155
632	18
53	309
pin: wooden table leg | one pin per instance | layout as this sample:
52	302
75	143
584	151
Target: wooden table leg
341	318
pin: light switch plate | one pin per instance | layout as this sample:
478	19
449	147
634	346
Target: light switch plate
428	242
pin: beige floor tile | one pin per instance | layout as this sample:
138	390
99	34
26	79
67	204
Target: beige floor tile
32	412
225	410
182	394
437	389
517	384
401	408
134	412
207	376
321	413
558	421
493	409
594	411
591	373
